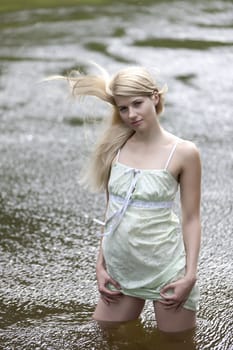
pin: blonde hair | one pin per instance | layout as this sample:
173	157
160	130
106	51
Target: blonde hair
131	81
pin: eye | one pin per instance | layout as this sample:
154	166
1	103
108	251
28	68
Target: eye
122	109
137	103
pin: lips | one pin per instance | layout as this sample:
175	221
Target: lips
136	122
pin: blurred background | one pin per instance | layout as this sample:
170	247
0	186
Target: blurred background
48	239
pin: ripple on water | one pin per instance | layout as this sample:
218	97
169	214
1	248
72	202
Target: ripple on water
48	240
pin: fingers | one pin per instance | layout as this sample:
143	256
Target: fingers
172	301
114	283
104	282
110	296
107	299
167	297
169	304
104	287
166	288
110	293
169	300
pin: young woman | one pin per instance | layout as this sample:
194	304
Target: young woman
144	253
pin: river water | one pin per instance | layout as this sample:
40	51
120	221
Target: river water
48	239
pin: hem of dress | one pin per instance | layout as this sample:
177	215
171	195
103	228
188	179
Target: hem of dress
189	305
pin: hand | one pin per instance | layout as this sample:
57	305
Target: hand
103	279
176	293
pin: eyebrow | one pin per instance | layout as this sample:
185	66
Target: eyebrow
135	100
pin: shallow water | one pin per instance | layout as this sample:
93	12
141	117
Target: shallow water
48	239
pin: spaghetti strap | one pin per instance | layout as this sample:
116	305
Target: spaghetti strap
171	155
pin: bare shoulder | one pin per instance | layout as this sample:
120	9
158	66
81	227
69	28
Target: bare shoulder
189	148
189	153
185	148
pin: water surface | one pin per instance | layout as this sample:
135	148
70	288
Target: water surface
48	239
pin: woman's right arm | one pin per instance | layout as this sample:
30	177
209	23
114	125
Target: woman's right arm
103	278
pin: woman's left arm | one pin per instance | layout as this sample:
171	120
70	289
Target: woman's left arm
190	195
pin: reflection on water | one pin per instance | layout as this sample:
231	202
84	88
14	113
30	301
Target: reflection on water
136	335
48	239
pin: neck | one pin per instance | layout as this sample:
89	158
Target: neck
149	136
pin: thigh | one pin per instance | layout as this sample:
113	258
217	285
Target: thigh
125	309
174	320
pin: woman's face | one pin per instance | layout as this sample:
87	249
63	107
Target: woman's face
137	112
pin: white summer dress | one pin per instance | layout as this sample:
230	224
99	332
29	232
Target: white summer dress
142	241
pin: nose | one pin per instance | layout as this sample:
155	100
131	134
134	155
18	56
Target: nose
132	113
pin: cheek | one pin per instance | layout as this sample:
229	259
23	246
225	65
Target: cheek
123	117
152	109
